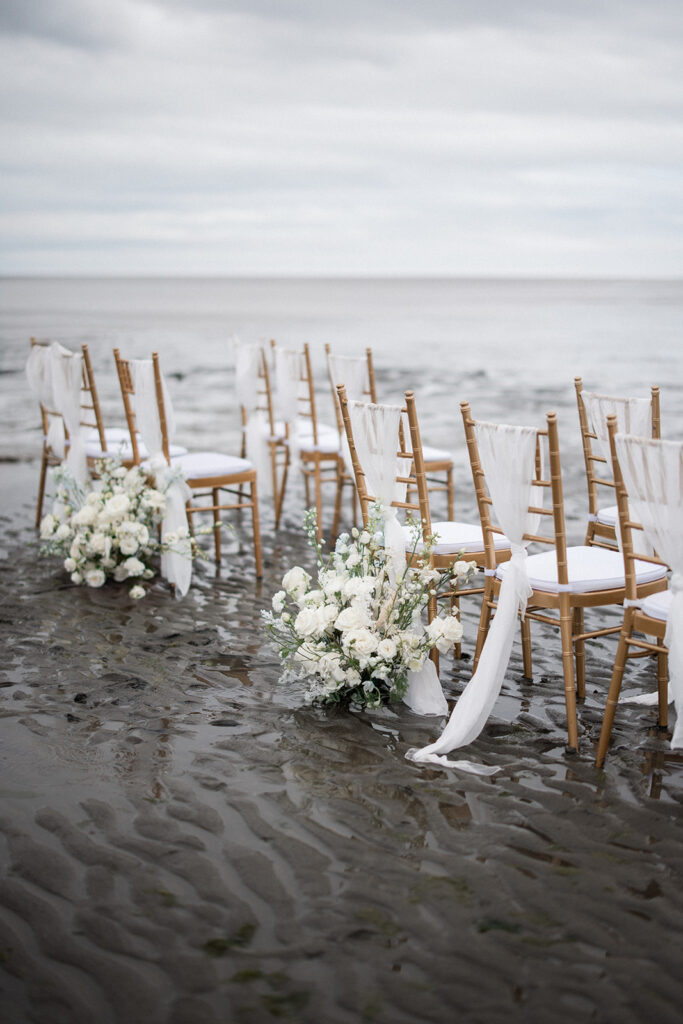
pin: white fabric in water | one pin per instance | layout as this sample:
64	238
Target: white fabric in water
507	457
653	475
247	366
176	565
67	378
424	695
588	569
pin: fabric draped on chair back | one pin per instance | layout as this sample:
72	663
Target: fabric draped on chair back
352	372
176	564
288	381
508	460
653	476
249	387
55	376
375	431
634	416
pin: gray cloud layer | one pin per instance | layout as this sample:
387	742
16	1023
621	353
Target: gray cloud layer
314	137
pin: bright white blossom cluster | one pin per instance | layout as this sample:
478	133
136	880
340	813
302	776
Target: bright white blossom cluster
109	531
354	633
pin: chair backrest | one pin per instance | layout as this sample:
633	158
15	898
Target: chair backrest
90	402
91	415
127	392
261	400
356	373
635	415
648	491
546	492
39	371
408	461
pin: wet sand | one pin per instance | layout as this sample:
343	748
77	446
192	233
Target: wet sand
183	841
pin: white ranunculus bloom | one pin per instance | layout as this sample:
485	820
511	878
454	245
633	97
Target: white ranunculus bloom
76	577
362	640
137	592
95	577
327	613
99	544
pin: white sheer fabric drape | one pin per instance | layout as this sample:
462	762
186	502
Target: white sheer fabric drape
376	437
653	475
288	383
39	373
507	456
352	372
257	429
67	379
176	565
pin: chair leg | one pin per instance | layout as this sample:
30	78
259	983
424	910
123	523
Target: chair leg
614	687
41	489
663	689
215	493
568	671
281	492
318	498
257	529
580	649
455	610
449	485
337	502
527	662
273	473
484	620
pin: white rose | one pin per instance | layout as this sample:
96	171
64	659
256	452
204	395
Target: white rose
295	581
359	586
133	567
362	641
99	544
128	545
313	599
353	617
70	565
117	506
330	667
137	592
85	516
306	623
464	568
332	583
76	577
326	616
63	532
278	601
95	577
387	649
154	499
119	472
143	534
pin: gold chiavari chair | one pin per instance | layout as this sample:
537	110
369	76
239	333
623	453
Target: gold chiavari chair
563	579
206	473
647	617
276	434
602	519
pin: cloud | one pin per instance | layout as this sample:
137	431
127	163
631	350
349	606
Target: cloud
317	137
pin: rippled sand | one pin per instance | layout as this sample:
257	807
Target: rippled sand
183	841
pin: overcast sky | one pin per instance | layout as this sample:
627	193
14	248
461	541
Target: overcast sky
475	137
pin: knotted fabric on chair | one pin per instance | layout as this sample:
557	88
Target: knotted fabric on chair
508	457
653	475
176	564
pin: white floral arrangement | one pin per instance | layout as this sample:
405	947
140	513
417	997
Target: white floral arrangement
354	634
109	532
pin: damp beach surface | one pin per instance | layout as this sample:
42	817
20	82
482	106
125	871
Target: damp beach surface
184	840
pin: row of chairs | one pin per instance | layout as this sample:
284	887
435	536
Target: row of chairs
567	581
564	579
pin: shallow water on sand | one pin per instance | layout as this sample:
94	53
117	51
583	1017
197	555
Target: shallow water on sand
183	840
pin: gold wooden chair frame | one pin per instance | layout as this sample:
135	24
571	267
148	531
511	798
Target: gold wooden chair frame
636	620
569	604
278	448
209	485
603	534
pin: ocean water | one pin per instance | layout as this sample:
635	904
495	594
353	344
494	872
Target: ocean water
509	347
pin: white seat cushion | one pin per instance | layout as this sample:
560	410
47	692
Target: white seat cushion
196	465
588	568
430	454
119	446
608	516
454	537
657	605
